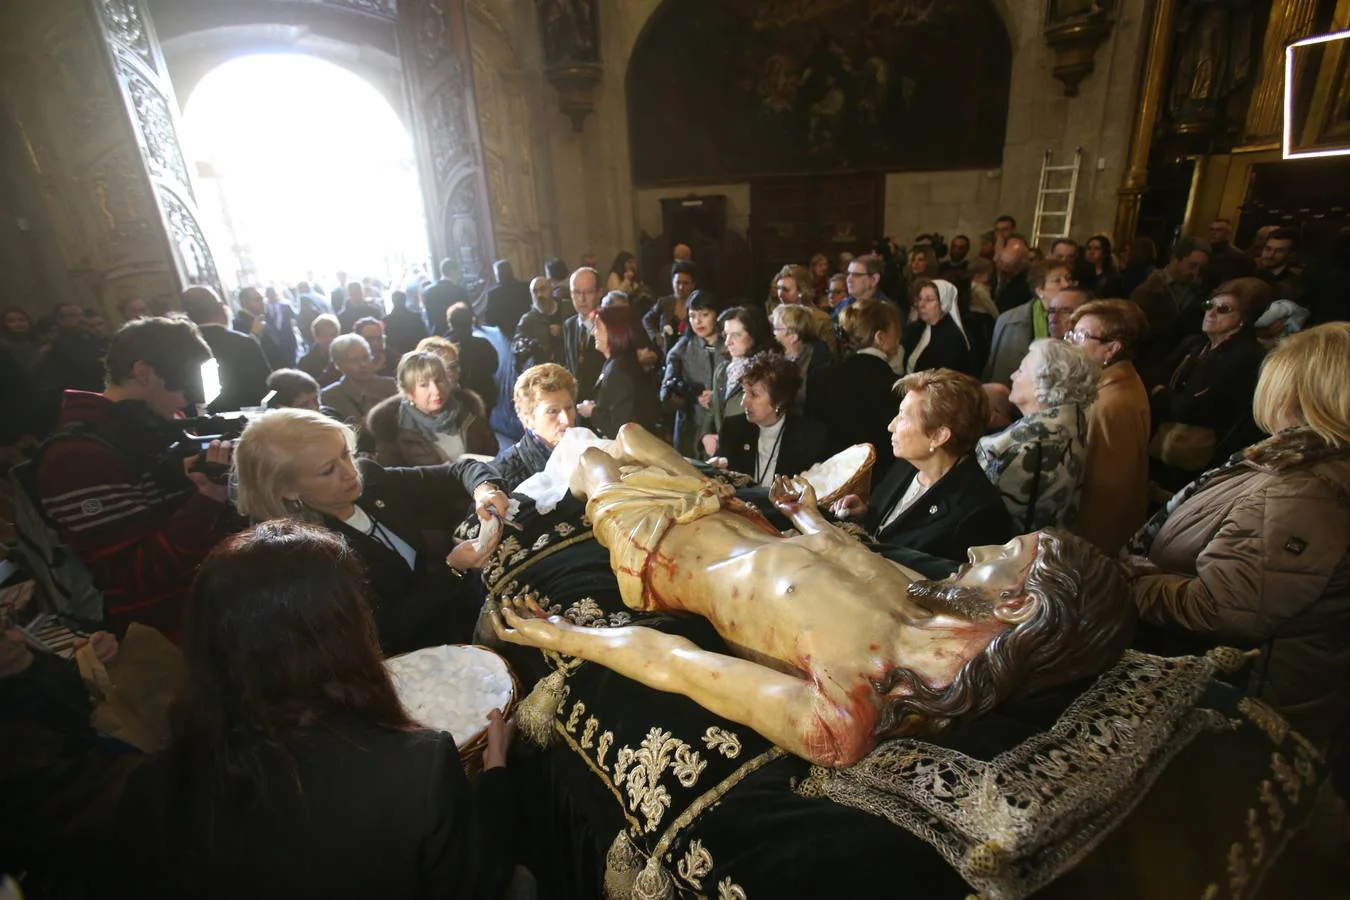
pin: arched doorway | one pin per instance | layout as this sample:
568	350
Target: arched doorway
305	170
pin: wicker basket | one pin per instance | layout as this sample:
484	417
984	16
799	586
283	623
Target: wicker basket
859	483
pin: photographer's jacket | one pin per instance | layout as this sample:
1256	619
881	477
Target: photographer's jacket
127	509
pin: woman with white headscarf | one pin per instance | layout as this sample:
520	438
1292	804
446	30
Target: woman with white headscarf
937	339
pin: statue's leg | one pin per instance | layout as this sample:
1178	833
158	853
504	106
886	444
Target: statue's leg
638	444
595	469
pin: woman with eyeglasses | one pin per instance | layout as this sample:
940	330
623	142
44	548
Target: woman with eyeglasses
791	287
1202	395
1115	474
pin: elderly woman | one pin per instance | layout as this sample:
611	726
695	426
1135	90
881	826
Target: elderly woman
1256	553
794	329
769	439
1115	474
297	464
691	368
745	332
626	392
546	402
936	498
856	401
431	420
1202	395
792	287
938	339
1037	462
293	770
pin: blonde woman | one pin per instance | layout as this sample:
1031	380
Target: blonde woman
794	328
792	287
298	464
432	419
1256	553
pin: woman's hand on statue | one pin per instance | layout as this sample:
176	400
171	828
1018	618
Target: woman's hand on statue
500	732
710	445
489	500
104	645
849	507
719	462
705	399
586	409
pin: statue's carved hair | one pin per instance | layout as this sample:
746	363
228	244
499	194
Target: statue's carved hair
1083	621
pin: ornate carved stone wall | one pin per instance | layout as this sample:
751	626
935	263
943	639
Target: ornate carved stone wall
86	93
438	74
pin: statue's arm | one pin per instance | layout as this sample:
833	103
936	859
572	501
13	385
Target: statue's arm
797	500
814	720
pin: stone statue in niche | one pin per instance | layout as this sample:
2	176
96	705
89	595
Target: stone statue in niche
1213	59
836	646
570	30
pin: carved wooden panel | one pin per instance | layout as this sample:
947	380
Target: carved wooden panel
437	72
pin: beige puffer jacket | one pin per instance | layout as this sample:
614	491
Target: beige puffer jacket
1260	558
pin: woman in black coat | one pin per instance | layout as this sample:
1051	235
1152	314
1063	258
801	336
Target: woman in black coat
936	499
857	401
625	392
938	340
1207	385
297	464
768	439
293	770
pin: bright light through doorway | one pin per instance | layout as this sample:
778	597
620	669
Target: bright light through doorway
309	172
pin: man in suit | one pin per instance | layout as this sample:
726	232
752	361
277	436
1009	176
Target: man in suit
278	331
1273	267
581	357
1013	260
243	367
444	294
508	301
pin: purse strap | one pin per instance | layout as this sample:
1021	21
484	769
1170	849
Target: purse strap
1035	494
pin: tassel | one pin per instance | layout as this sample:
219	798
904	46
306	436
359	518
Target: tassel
654	882
621	868
536	713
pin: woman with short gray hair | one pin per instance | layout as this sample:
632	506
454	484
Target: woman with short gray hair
1037	462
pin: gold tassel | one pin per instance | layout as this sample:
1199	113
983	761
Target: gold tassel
536	713
621	868
654	882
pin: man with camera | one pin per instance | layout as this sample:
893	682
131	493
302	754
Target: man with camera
134	511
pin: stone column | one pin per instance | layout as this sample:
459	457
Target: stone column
1151	97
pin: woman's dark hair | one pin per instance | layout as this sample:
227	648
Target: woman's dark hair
1253	295
621	324
290	385
556	269
15	310
780	376
701	299
1108	258
619	262
277	638
756	325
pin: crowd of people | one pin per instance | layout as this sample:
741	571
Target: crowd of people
1190	417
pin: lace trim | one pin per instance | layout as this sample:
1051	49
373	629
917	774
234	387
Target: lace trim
1012	825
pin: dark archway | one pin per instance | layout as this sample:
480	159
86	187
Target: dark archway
723	90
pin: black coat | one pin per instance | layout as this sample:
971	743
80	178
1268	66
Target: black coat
581	358
424	605
362	811
524	459
506	303
478	367
437	300
1016	291
856	405
947	348
801	447
403	328
243	368
624	393
963	510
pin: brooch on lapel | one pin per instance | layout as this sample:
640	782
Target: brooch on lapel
932	510
379	504
745	447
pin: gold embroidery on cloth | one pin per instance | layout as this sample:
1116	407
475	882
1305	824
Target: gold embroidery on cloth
696	865
606	741
723	741
1238	873
639	772
1012	825
1257	836
1268	720
578	710
728	891
588	735
1273	807
535	714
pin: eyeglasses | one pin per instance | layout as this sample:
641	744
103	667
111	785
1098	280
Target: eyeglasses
1222	309
1078	337
1058	311
853	274
838	291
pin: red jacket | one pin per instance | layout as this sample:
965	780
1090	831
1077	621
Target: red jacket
129	513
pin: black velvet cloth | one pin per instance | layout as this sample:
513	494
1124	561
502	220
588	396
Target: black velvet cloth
736	821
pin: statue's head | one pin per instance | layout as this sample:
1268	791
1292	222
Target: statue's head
1058	611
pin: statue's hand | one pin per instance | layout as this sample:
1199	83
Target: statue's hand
522	621
784	495
806	494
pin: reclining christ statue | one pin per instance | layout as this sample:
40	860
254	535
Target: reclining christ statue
835	646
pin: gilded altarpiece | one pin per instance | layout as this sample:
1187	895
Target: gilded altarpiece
438	77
